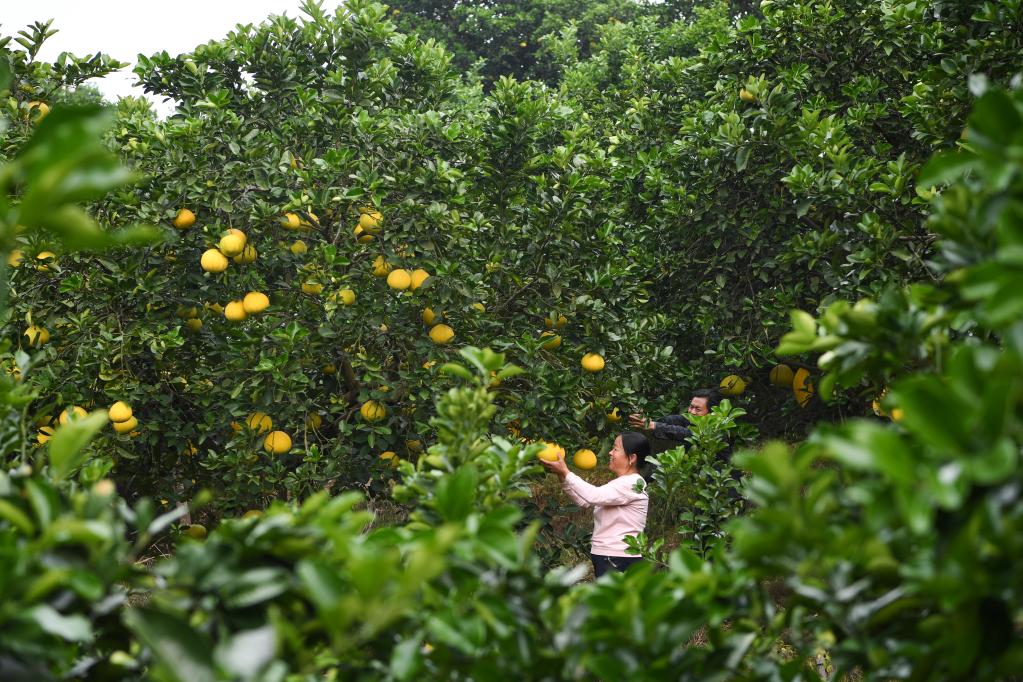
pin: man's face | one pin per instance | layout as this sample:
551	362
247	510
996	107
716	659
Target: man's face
698	406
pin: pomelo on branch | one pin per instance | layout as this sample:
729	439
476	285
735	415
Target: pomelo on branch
373	411
45	434
553	340
802	387
46	258
235	311
428	316
442	334
194	324
127	425
381	267
247	256
592	362
231	245
347	296
291	221
255	302
551	452
260	422
196	531
312	288
184	219
277	442
399	279
15	258
418	277
613	417
298	247
732	385
213	261
37	336
119	412
71	414
584	459
781	375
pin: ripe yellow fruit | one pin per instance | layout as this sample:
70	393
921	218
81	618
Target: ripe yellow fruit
15	258
127	425
45	434
613	417
372	411
399	279
277	442
381	267
45	257
802	387
259	422
312	288
747	96
418	277
185	313
235	311
551	452
291	221
298	247
329	369
119	412
371	221
71	414
442	334
347	296
42	109
732	385
196	531
584	459
37	336
781	375
252	514
215	308
479	307
184	219
414	445
213	261
194	324
592	362
255	302
561	322
428	315
248	255
897	414
231	244
553	342
314	421
391	457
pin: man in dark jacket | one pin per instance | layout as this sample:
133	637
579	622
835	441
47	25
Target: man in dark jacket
675	427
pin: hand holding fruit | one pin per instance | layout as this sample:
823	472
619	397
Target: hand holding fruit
556	466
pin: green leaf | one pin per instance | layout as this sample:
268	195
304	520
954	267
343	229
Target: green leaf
247	652
73	628
945	168
183	651
454	496
454	369
67	447
995	119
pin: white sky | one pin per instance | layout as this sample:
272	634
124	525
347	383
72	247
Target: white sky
123	29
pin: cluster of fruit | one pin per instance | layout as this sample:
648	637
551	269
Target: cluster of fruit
274	442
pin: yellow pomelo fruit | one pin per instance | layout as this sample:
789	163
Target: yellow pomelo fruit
15	258
551	452
347	296
553	342
184	219
196	531
584	459
194	324
381	267
414	445
259	422
442	334
277	442
399	279
390	456
428	315
418	277
781	375
37	336
371	221
897	414
213	261
252	514
747	96
127	425
71	414
298	247
592	362
291	221
248	255
41	109
732	385
372	411
185	313
556	324
479	307
231	244
119	412
45	434
235	311
255	302
314	421
802	387
312	288
329	368
613	417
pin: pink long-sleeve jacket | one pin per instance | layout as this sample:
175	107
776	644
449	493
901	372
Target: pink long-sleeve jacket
619	509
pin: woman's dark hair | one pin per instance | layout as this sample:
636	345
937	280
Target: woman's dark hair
636	444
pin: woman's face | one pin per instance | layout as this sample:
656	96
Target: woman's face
620	462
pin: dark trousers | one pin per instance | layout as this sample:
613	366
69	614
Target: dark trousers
603	564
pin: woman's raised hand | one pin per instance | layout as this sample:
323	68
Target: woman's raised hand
557	467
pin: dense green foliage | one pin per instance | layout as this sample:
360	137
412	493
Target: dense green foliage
688	185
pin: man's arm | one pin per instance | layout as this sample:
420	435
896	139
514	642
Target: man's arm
672	427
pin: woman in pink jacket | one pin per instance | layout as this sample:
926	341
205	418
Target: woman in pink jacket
619	507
